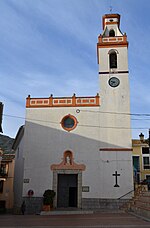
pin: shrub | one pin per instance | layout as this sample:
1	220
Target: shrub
48	197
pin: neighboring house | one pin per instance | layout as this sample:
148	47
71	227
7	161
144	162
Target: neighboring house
19	169
81	147
7	158
141	160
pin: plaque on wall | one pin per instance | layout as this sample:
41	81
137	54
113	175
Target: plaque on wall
85	188
26	181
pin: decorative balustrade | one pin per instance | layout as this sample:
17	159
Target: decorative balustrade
62	101
122	40
113	39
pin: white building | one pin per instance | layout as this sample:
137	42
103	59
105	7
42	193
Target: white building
80	146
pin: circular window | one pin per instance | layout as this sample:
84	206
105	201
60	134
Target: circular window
69	122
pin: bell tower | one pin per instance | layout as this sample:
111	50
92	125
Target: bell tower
115	130
112	50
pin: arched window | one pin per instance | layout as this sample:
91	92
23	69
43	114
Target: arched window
113	60
111	33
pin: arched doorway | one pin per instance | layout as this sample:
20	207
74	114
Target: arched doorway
67	182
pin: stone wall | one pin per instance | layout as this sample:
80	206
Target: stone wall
105	204
33	205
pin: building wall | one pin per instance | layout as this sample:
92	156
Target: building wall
122	58
101	141
137	151
18	177
8	195
115	102
46	142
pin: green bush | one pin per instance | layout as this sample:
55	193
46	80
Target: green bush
48	197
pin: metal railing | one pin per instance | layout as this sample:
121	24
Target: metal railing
126	194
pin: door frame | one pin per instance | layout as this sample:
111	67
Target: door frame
79	184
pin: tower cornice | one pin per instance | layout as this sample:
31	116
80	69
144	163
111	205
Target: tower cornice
112	40
111	16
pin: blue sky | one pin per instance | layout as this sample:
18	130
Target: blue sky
49	47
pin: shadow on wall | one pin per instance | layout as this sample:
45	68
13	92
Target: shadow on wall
45	146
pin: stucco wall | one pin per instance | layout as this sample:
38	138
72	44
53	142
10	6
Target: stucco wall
46	142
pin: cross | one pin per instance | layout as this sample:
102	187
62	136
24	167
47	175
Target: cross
116	175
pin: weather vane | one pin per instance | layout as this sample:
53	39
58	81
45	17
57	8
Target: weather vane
110	9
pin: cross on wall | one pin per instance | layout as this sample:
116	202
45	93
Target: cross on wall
116	175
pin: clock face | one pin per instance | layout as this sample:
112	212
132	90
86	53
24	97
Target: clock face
114	82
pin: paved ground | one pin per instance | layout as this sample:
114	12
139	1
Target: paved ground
97	220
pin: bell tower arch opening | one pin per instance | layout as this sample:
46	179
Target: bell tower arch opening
112	33
113	60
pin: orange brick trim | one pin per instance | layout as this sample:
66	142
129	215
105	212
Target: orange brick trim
112	40
112	44
62	102
111	16
109	42
104	39
116	149
73	118
68	163
111	23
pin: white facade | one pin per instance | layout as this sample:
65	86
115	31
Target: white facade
99	141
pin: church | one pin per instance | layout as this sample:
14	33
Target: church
80	147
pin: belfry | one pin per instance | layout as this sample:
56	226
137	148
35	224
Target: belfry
80	147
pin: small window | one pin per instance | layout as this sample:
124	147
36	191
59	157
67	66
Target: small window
1	186
4	170
146	163
111	33
145	150
113	60
136	163
69	122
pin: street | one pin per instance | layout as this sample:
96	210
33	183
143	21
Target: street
97	220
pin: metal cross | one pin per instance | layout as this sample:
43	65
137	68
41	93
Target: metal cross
116	175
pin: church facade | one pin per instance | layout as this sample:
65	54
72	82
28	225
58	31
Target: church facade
80	147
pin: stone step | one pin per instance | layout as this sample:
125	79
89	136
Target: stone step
66	212
146	193
147	198
142	199
78	211
141	210
141	203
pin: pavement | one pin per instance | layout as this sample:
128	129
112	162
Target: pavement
95	220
